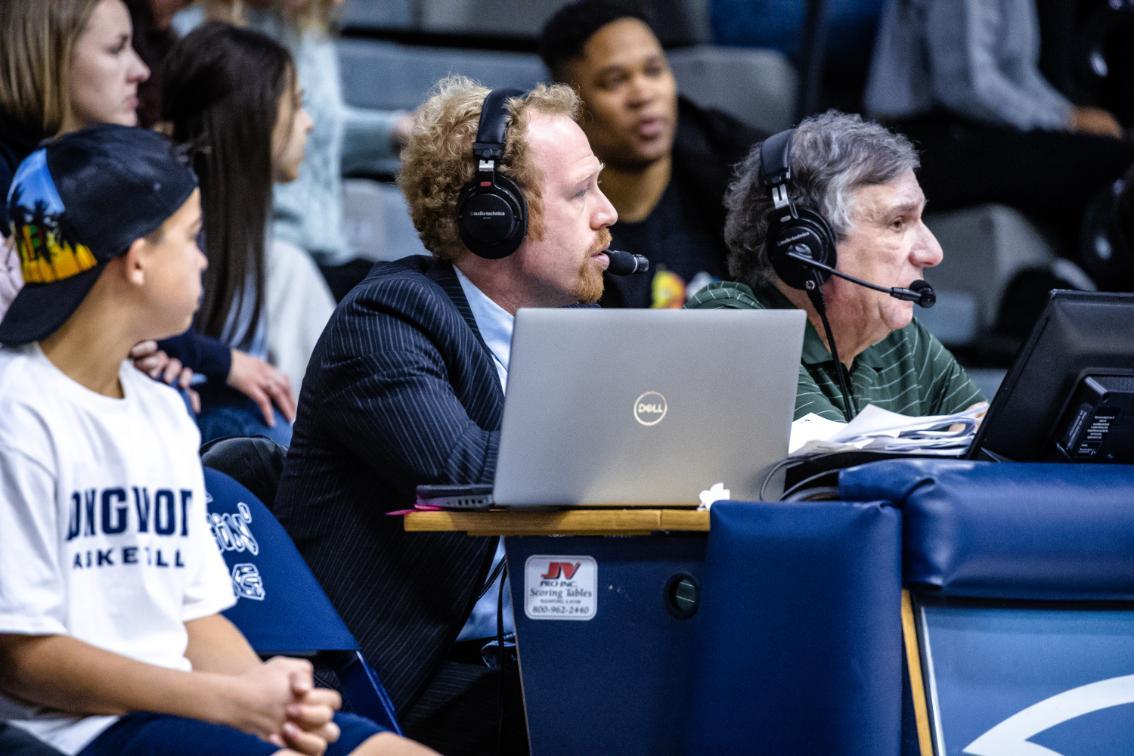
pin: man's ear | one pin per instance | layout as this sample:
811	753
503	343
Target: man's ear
135	261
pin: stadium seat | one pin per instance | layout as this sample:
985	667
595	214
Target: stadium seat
985	247
678	22
386	15
755	86
280	607
408	72
377	222
255	461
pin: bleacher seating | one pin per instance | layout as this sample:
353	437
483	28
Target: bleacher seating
393	75
985	246
679	22
386	15
377	223
757	86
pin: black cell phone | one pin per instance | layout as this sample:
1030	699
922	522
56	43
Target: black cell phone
456	496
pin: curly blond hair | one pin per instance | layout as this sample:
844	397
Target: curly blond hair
437	160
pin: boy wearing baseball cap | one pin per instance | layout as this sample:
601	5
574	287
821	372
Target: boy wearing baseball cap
110	583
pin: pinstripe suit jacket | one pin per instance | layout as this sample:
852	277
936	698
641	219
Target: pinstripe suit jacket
400	390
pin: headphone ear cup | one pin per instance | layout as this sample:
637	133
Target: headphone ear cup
808	234
493	219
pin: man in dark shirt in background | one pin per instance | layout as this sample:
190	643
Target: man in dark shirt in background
667	161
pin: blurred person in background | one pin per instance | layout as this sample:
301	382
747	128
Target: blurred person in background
667	160
232	97
309	211
962	80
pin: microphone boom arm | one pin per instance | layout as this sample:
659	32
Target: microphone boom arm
919	291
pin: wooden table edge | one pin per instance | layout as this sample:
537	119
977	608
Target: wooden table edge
559	522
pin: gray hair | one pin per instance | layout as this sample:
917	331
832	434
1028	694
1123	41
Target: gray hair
832	155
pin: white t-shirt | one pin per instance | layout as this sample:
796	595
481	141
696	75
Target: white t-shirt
103	530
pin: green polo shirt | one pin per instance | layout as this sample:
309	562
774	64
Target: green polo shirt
909	371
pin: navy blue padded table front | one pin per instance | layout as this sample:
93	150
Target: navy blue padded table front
618	682
799	650
795	646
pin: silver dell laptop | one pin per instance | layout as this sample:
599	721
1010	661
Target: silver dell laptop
645	407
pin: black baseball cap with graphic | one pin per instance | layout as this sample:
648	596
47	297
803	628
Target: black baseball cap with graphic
78	202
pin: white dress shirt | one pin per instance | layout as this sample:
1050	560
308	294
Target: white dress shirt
495	326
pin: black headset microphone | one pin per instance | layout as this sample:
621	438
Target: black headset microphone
626	263
919	291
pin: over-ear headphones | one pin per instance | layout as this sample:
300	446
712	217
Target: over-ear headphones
791	229
492	214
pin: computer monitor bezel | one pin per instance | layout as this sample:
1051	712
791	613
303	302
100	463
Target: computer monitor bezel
1023	417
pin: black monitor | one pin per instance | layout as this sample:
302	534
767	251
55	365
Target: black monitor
1070	393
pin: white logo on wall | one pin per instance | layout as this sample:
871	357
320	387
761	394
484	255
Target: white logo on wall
650	408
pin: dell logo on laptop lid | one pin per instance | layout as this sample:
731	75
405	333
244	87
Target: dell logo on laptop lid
650	408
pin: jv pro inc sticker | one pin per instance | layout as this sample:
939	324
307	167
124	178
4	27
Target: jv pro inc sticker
560	587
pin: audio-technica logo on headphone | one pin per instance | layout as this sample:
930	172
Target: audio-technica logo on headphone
650	408
794	238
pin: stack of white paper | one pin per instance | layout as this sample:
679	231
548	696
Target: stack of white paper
881	430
